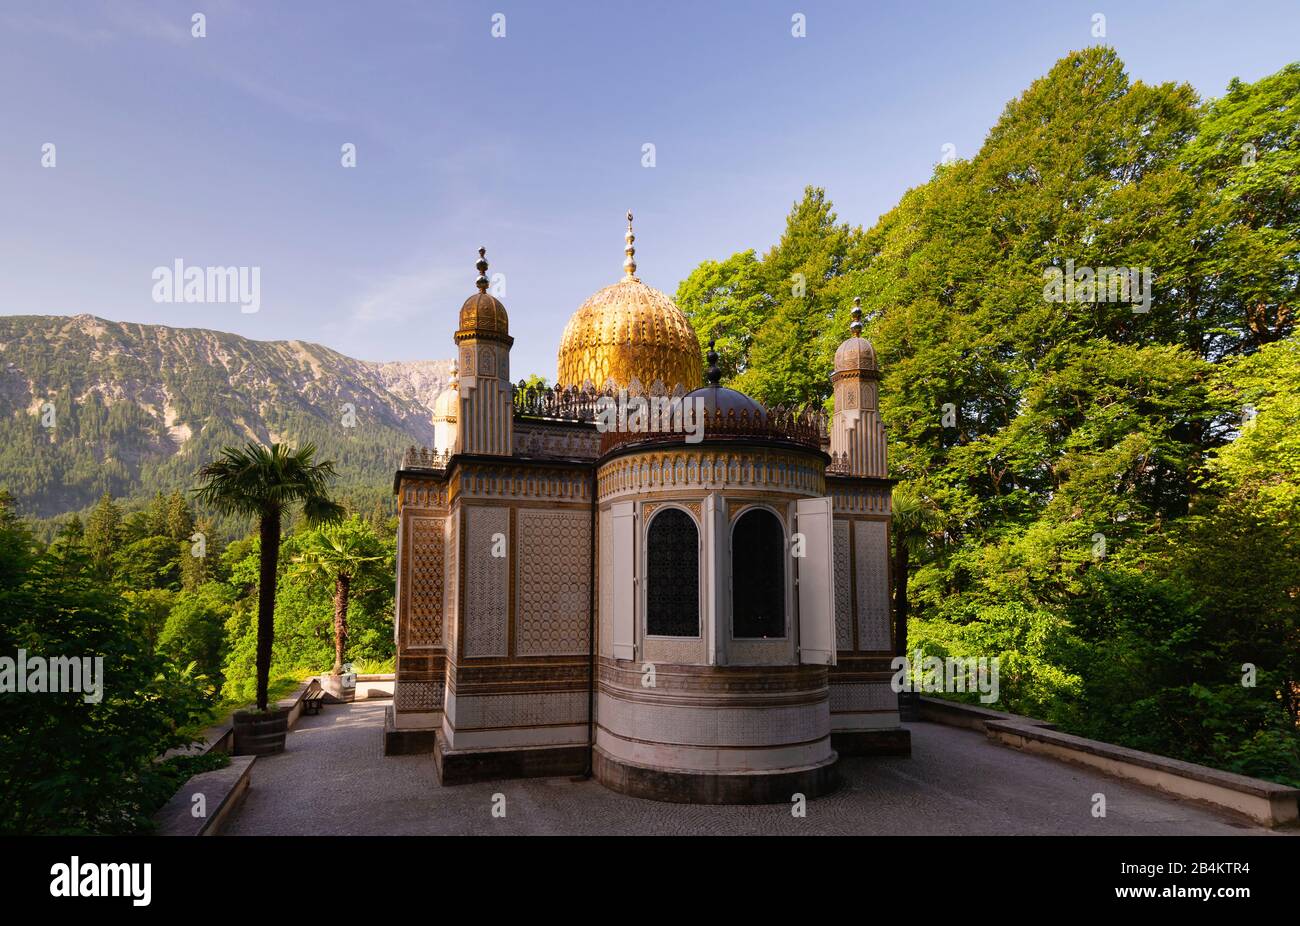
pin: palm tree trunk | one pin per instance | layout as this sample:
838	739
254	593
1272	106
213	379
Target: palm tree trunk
269	528
342	585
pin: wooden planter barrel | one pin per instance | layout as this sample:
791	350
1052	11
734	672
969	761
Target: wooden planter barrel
260	734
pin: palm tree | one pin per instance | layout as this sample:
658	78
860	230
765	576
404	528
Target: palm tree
265	482
346	554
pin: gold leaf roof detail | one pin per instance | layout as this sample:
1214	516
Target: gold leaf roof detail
629	331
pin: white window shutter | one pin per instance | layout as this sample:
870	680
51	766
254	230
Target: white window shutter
623	527
816	578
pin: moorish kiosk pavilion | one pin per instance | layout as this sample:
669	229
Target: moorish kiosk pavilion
697	617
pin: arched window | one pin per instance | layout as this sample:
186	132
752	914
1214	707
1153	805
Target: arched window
758	576
673	575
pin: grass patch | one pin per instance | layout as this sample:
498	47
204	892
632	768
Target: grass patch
280	685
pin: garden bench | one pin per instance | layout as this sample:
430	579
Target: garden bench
312	701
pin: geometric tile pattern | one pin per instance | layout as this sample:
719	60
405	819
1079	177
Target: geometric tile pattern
487	582
872	554
451	551
418	696
424	602
520	710
843	589
862	696
552	582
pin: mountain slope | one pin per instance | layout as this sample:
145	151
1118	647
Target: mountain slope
139	408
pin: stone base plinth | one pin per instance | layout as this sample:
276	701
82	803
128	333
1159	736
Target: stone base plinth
895	742
686	787
406	741
458	767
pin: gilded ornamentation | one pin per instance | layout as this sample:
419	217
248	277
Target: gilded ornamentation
629	331
483	316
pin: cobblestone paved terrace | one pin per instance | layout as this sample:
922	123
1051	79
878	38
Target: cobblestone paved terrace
333	779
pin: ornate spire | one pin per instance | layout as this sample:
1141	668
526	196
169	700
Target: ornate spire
714	375
856	325
629	263
453	378
482	266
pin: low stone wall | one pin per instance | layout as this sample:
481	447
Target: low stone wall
375	687
371	687
220	792
1265	802
223	788
970	716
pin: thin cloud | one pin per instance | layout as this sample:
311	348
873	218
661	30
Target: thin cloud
403	296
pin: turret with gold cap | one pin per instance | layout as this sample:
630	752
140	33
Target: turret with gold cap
485	422
629	331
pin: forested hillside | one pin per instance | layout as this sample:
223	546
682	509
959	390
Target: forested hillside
92	406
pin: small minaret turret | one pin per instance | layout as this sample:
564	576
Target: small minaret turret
486	418
446	409
857	433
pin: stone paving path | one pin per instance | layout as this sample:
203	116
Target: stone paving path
333	779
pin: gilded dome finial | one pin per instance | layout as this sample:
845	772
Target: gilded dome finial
856	325
714	374
629	263
482	266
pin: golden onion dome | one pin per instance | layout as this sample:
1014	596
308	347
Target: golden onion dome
629	331
483	315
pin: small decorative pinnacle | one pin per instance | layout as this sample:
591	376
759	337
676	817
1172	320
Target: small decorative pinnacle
453	378
714	375
629	263
482	266
856	326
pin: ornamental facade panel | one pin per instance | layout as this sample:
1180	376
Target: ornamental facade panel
552	582
424	581
765	470
843	588
871	543
487	582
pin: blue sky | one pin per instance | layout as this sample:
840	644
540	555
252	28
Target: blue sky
225	150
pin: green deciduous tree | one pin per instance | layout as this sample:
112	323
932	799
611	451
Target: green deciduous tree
1112	478
82	761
